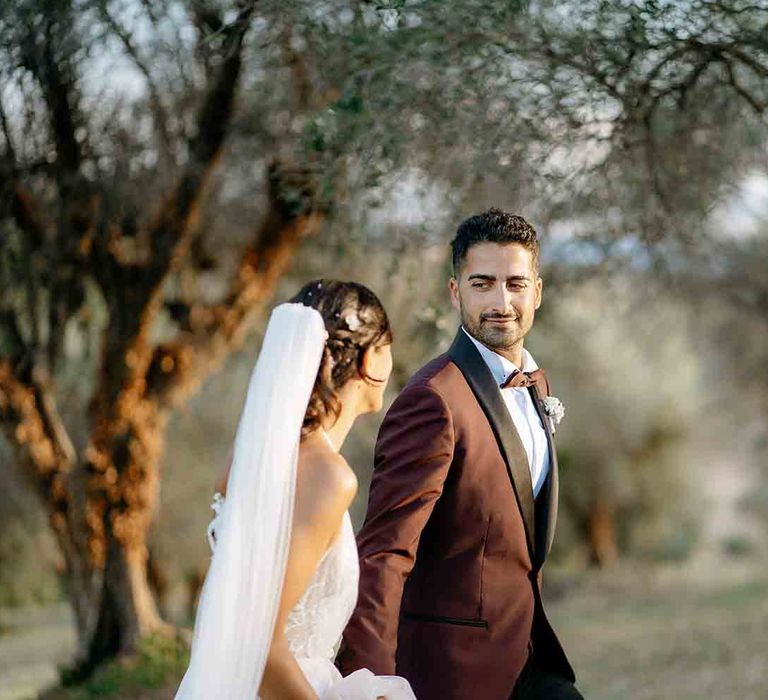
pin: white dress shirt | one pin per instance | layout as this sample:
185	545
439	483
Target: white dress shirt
522	411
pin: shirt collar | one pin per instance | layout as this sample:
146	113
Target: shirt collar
500	366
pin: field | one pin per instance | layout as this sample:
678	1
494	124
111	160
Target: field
661	634
668	635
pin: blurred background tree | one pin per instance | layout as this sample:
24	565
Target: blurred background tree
169	168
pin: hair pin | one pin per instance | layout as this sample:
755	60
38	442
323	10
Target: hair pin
353	322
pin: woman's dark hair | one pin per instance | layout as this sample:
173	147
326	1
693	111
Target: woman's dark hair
355	320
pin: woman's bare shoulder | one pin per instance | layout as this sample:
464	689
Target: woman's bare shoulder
327	477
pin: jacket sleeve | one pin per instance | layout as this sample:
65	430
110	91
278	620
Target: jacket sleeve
414	451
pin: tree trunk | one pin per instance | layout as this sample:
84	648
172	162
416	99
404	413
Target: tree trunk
101	502
123	460
29	419
128	610
602	534
83	582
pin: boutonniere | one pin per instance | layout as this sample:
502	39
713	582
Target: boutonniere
554	409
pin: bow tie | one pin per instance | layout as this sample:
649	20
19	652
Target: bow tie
522	380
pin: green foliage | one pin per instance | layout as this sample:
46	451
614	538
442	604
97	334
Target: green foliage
159	661
739	547
628	442
620	124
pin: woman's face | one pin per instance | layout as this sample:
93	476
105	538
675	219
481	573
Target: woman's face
377	364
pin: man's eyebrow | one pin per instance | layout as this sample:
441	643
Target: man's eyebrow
480	276
492	278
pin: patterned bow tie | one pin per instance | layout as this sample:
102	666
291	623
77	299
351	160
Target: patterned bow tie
522	380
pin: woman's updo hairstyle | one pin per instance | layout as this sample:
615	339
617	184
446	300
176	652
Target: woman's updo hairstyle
355	320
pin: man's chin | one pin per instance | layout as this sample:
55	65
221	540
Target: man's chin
493	336
496	339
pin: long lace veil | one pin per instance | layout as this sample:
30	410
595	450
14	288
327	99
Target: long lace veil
240	597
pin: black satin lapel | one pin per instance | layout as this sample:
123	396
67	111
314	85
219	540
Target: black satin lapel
550	487
467	358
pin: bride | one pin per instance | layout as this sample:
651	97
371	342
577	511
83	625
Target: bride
282	582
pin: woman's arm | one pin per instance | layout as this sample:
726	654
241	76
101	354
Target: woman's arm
324	490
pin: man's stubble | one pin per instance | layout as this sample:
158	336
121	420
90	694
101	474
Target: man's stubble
496	339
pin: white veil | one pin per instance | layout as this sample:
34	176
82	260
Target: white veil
240	598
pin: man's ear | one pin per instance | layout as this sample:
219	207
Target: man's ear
539	288
453	286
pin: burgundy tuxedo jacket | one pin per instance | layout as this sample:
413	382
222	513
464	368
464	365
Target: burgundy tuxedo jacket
453	543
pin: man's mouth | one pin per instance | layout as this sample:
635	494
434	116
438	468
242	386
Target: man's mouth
500	320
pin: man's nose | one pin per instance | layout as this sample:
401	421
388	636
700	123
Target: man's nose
502	300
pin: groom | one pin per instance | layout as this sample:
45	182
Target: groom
463	500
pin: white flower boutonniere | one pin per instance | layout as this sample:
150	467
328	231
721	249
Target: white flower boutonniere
554	409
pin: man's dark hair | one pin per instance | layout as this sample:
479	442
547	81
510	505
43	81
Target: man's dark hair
493	226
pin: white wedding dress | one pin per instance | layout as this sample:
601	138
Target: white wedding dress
315	625
240	598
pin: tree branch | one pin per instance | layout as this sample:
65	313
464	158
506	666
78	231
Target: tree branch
684	86
52	74
753	102
303	92
10	151
673	55
16	203
150	10
24	211
178	368
31	423
13	349
728	9
158	110
51	68
743	57
133	292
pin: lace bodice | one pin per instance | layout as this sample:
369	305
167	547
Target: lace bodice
315	624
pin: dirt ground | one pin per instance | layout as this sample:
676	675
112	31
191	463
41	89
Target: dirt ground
661	634
33	643
668	634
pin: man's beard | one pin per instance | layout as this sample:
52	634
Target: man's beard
493	337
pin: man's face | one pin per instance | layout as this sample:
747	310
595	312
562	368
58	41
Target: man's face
497	293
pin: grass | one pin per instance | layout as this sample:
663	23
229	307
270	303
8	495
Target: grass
632	634
153	673
649	637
